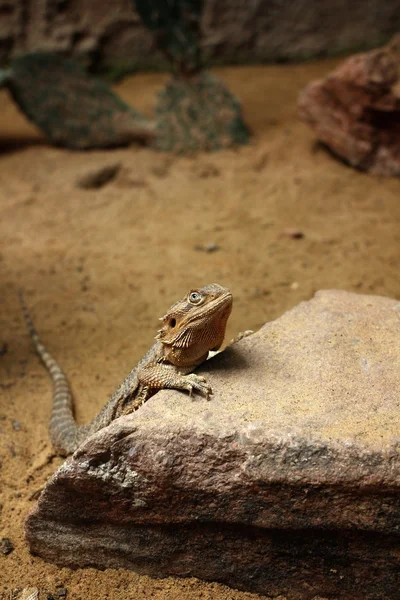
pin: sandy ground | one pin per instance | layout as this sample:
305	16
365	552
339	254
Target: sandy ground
98	268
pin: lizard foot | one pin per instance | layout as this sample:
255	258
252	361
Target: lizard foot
199	384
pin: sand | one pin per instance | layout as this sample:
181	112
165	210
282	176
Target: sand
98	267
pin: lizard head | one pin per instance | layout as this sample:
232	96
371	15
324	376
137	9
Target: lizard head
199	319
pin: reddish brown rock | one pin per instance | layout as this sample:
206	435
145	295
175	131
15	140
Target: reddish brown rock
355	110
286	482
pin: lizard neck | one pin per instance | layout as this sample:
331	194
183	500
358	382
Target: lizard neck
185	357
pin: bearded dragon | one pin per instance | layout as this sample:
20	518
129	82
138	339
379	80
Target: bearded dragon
190	329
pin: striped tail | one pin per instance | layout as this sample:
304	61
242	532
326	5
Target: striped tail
63	429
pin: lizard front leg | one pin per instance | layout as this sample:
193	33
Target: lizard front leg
158	376
161	376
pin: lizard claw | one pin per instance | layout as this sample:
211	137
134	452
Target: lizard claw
199	384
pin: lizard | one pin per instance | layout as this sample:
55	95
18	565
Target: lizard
191	328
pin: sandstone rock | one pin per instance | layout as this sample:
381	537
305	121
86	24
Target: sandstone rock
355	110
286	482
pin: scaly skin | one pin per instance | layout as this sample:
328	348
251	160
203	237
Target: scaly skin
190	329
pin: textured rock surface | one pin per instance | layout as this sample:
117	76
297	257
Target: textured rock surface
233	29
287	481
355	110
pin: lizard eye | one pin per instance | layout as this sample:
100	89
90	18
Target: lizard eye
172	322
195	298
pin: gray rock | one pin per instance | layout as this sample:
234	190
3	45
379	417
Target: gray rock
286	482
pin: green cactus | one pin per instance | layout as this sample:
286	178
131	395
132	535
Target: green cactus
72	108
198	114
195	111
176	27
4	77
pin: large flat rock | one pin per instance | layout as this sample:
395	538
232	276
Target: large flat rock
286	482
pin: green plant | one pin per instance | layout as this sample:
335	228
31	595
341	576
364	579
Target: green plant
175	25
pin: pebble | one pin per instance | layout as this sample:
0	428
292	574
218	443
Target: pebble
6	546
98	177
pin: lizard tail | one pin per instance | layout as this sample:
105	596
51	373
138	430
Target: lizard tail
63	429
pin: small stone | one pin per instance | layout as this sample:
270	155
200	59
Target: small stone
209	248
293	232
16	425
6	546
212	247
98	177
261	162
206	171
61	592
29	593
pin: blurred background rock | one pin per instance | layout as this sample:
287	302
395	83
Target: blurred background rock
110	38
